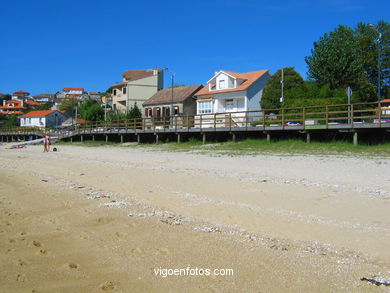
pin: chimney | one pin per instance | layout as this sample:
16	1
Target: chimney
155	71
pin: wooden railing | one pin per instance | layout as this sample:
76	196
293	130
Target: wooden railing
313	117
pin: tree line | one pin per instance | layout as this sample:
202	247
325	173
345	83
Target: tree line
345	57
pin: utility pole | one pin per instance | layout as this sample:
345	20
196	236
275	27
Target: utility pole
282	85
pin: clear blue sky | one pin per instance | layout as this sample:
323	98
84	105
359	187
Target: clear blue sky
50	44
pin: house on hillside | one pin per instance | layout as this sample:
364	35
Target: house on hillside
44	118
181	100
43	98
20	95
13	107
136	87
231	92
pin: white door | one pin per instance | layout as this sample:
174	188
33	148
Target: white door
229	105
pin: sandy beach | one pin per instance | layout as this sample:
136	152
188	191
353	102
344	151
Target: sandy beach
106	219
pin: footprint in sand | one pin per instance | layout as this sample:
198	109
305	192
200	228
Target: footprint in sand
21	278
22	263
138	252
162	251
37	243
104	220
108	286
43	252
73	265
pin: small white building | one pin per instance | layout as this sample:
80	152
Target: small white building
44	118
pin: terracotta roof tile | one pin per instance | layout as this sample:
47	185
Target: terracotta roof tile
119	84
38	113
180	94
73	89
131	75
248	77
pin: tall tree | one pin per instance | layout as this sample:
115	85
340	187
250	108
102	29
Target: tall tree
68	106
293	88
336	59
90	110
368	38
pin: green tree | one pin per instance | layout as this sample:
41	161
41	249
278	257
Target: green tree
45	106
91	110
68	106
293	88
367	36
336	59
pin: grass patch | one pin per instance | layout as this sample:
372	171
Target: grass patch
255	147
88	143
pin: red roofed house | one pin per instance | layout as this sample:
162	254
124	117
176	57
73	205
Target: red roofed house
12	107
229	91
136	87
73	90
20	95
44	118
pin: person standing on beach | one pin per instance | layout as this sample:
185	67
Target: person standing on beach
46	143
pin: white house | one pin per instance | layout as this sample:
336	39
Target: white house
231	92
44	118
73	90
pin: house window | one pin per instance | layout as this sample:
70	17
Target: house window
124	91
150	112
205	107
222	84
114	92
176	110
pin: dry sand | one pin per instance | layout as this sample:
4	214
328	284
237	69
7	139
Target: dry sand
102	219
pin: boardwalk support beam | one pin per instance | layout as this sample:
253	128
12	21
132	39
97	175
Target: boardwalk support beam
81	138
178	137
93	138
355	138
268	137
204	138
121	138
138	138
307	137
156	137
234	137
106	138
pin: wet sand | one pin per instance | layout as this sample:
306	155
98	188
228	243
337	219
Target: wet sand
88	219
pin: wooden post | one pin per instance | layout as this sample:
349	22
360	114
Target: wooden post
81	138
234	137
204	138
106	138
327	116
71	139
93	138
268	137
307	137
178	137
138	138
355	138
156	134
304	118
121	138
282	118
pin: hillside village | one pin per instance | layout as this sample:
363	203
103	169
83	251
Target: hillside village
225	91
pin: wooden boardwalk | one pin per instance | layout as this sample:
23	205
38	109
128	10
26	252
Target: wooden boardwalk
354	118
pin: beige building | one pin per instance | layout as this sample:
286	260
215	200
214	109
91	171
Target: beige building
136	87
